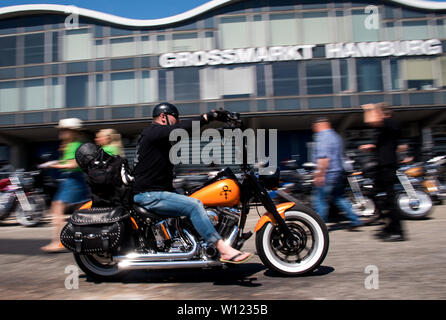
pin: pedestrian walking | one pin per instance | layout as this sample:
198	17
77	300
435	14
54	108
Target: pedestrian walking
73	187
379	116
329	174
110	141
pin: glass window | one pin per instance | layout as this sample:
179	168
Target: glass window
234	33
77	44
122	64
227	82
259	32
7	51
390	32
34	94
369	75
149	87
162	88
440	29
146	45
76	90
163	44
319	77
55	47
9	97
101	90
57	91
123	47
34	48
185	42
285	78
8	73
209	40
395	75
100	48
186	84
362	29
345	79
209	83
419	73
317	28
414	30
260	75
342	24
114	32
443	70
123	87
35	71
281	22
237	81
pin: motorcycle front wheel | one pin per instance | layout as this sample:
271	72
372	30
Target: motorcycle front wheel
31	218
414	209
97	266
313	241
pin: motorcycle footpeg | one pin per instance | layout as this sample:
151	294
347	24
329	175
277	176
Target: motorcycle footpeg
245	236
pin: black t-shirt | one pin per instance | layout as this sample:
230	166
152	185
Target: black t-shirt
153	170
387	143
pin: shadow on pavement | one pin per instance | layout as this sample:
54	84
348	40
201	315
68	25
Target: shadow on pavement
23	246
320	271
240	275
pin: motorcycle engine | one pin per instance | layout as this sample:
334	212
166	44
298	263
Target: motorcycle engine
224	219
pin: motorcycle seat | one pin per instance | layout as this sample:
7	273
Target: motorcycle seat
146	213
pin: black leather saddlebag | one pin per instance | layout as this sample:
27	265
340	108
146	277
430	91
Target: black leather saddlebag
94	230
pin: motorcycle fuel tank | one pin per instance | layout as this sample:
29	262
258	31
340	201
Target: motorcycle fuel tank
225	193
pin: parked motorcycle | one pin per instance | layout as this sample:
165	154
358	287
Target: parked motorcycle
299	182
412	201
434	178
290	238
20	195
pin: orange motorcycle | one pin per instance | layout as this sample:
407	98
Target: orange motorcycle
290	238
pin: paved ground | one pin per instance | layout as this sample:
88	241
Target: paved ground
414	269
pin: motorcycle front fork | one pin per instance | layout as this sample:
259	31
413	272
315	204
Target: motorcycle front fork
407	186
356	190
23	200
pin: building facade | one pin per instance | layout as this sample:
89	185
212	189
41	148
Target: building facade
279	63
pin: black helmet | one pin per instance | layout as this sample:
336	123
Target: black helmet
166	108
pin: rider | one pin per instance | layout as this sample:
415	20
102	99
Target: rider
154	176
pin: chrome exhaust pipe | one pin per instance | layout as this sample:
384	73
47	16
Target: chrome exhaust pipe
149	265
149	257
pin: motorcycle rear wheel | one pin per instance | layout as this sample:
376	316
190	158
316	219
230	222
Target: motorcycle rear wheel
97	266
313	237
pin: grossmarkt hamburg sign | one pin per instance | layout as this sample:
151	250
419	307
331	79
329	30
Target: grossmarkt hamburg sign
301	52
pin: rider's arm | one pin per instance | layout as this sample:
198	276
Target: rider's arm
69	164
163	132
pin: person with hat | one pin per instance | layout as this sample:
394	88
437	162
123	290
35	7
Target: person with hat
153	173
73	187
328	178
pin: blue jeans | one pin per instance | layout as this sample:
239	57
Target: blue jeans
333	190
171	204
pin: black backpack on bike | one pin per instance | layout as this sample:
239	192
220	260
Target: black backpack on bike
109	177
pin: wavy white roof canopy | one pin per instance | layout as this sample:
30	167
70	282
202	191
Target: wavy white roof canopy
213	4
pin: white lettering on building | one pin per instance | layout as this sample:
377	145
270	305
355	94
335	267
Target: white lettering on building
301	52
